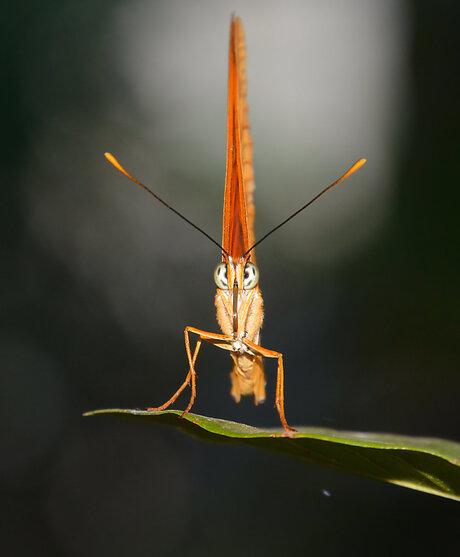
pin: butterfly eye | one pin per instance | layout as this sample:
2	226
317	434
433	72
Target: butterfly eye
251	276
220	276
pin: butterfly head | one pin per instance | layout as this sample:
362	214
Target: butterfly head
241	274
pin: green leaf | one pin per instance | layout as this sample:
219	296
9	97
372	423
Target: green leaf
424	464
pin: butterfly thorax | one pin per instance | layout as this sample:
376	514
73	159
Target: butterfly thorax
240	314
239	308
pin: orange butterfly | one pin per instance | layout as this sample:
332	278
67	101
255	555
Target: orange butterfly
238	299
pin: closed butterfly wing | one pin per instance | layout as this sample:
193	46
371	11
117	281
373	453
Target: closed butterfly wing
238	220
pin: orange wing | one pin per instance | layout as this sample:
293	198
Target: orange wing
238	225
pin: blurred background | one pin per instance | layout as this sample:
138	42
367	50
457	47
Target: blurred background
98	280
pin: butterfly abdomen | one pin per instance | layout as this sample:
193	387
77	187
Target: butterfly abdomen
248	377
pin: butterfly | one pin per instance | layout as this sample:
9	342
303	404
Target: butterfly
238	299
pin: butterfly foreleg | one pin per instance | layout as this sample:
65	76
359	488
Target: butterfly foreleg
279	397
191	376
219	340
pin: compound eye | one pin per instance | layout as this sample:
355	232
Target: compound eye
220	276
251	276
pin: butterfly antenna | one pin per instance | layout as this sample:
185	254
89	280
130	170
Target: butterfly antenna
118	166
349	172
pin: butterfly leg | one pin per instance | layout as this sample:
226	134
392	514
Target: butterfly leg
202	335
191	375
279	397
219	340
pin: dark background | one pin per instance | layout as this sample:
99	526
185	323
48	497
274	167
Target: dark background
93	304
